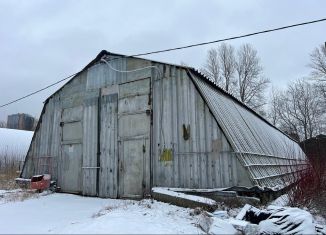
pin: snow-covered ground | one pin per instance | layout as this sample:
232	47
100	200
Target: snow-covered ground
46	213
65	213
14	141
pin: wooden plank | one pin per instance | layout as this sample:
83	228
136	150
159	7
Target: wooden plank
174	125
90	146
108	146
203	161
167	125
156	131
193	140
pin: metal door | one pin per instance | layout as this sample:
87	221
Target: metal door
71	157
134	109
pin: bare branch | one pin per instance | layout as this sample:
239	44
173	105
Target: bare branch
318	63
241	75
251	83
298	111
227	65
212	68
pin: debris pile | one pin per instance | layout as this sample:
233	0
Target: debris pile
251	220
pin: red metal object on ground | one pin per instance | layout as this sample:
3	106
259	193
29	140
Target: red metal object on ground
41	182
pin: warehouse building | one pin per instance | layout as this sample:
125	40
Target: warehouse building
124	125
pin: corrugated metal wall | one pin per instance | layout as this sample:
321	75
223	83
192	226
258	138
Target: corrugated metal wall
202	161
44	149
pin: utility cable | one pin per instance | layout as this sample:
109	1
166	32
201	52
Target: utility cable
232	38
159	76
181	48
33	93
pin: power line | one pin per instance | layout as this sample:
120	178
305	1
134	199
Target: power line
180	48
33	93
231	38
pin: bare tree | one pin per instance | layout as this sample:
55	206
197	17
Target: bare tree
274	106
212	67
227	66
298	110
320	87
220	66
241	75
279	116
318	62
318	65
251	83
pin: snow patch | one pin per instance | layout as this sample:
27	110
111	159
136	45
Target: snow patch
220	226
65	213
287	220
243	212
14	141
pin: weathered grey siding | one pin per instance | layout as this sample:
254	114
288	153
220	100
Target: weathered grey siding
205	159
46	147
124	116
109	146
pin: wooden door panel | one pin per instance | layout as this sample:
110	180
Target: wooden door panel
108	184
134	134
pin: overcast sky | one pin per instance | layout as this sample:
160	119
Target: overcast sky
43	41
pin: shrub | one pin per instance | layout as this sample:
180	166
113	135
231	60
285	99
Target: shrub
309	190
10	166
